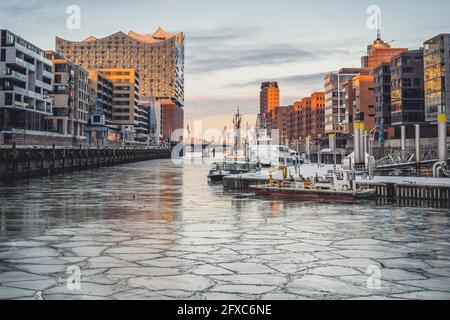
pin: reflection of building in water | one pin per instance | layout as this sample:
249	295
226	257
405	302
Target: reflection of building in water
276	209
170	193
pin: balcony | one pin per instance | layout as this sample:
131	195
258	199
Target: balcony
15	75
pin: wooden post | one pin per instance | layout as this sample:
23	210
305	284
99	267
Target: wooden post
53	159
14	154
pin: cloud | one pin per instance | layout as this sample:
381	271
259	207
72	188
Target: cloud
297	80
231	48
232	57
202	106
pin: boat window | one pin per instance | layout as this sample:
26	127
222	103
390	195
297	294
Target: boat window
339	176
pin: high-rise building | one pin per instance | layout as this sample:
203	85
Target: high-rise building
71	95
142	129
299	119
437	77
269	97
379	52
383	108
25	83
335	109
101	94
408	102
364	102
280	121
126	84
317	115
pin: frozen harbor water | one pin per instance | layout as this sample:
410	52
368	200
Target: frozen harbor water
156	231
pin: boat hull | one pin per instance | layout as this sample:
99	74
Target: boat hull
313	195
217	178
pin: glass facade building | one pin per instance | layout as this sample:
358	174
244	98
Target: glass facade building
437	77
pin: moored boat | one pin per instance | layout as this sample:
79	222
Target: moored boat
336	186
220	170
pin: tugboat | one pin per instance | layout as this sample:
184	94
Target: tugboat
338	185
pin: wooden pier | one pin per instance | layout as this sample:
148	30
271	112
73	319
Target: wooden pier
19	163
400	191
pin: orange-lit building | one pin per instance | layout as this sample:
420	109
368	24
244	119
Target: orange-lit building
125	95
307	118
300	116
364	101
379	52
269	97
317	115
280	121
158	58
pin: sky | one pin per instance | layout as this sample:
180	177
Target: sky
231	46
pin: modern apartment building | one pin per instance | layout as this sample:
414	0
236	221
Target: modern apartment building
101	94
336	113
379	52
364	101
317	115
408	101
349	101
125	95
70	94
280	121
382	89
299	119
305	118
25	84
437	78
269	97
142	129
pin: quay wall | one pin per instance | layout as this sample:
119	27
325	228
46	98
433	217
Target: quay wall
24	162
383	190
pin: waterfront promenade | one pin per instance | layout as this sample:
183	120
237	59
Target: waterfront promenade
154	230
24	162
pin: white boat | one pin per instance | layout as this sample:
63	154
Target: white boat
268	155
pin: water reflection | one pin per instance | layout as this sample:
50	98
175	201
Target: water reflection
162	191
